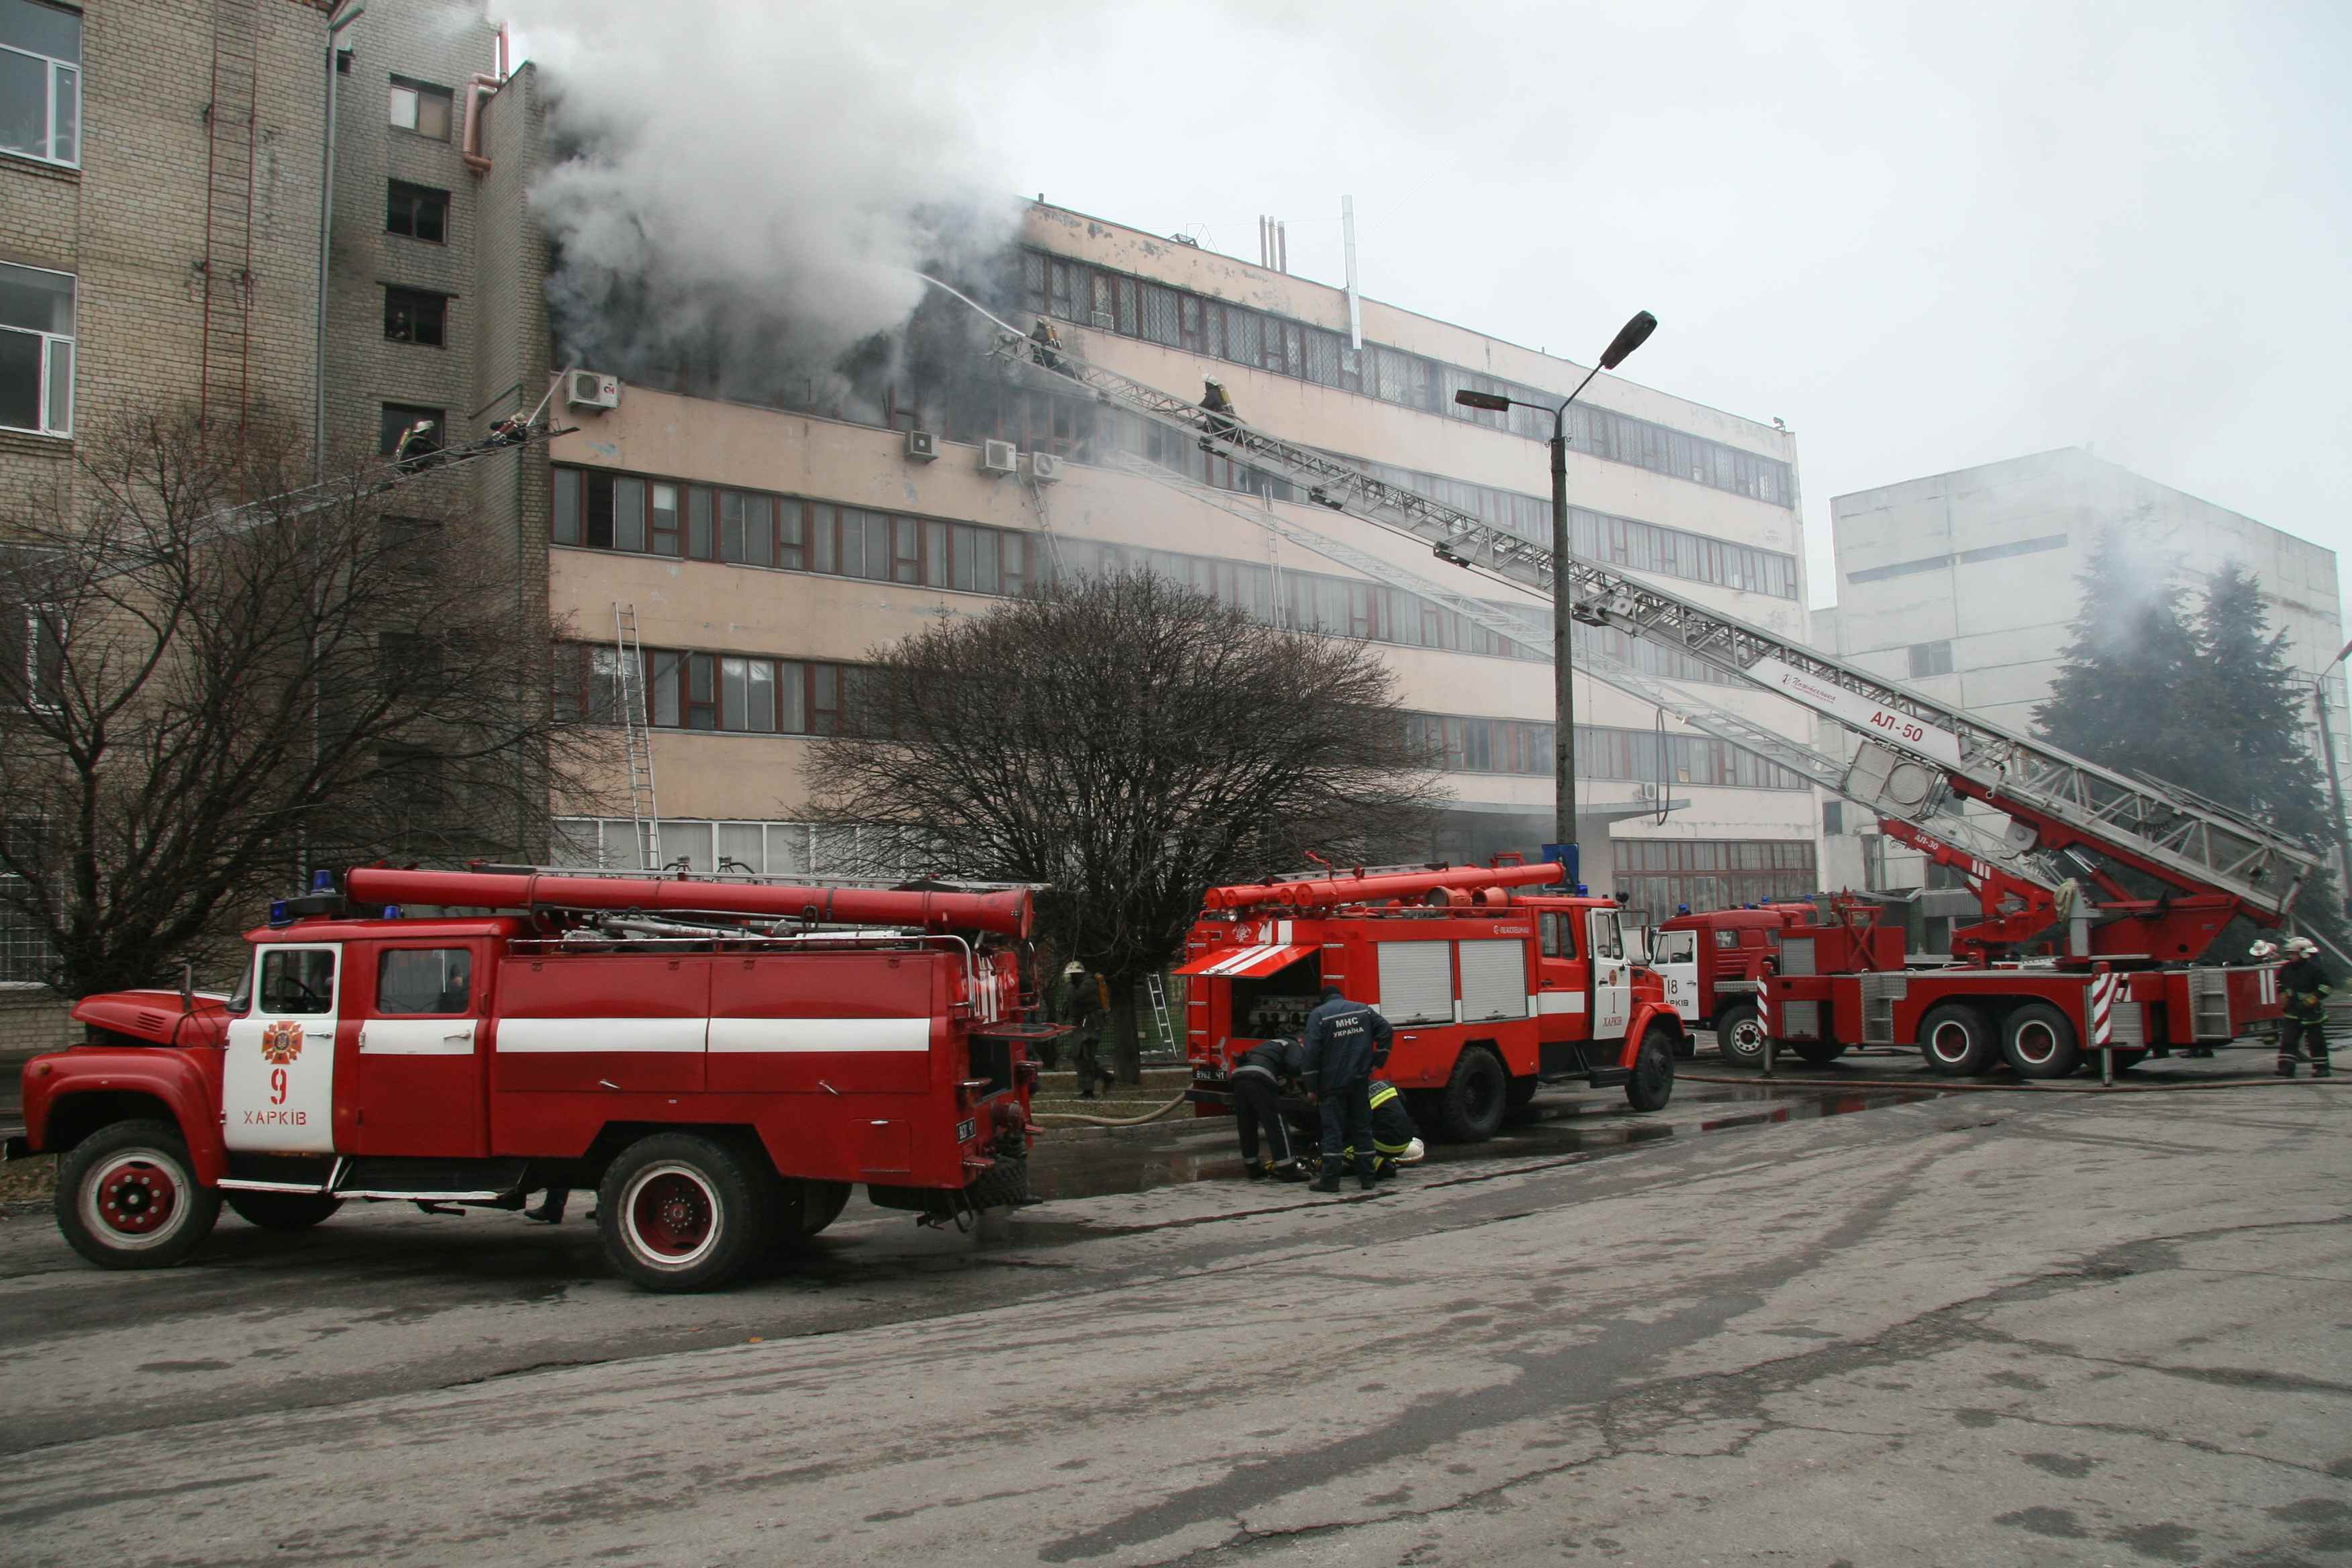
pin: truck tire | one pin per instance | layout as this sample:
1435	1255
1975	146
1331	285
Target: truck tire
679	1211
1818	1053
1522	1091
2039	1041
128	1198
283	1212
1739	1036
1470	1107
1652	1083
803	1208
1956	1039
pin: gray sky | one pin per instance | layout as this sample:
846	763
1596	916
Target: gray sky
1925	235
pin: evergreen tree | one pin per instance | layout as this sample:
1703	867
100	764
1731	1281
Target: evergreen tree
2117	698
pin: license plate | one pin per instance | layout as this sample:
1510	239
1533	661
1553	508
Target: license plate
967	1130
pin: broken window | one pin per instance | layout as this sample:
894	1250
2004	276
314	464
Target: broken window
416	212
40	81
415	316
420	107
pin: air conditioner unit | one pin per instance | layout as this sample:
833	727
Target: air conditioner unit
922	446
999	458
1044	467
1105	321
588	389
1645	792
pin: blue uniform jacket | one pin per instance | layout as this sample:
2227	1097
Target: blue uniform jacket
1345	1041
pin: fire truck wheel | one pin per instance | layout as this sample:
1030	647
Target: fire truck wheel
128	1198
806	1208
1956	1040
281	1211
1470	1107
1739	1036
1522	1092
679	1211
1820	1053
1652	1083
2039	1041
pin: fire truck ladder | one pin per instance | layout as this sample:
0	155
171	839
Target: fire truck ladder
1915	748
1157	989
637	733
1971	837
229	173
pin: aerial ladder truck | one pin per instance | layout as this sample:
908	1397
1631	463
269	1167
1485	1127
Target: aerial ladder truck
2069	957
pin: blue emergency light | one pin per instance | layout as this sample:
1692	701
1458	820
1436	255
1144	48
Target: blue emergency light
277	915
322	881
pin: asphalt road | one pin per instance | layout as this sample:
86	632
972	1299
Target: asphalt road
1989	1328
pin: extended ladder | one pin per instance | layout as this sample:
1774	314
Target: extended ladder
231	168
636	732
1915	748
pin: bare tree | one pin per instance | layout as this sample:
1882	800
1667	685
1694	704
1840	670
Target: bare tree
1130	742
210	682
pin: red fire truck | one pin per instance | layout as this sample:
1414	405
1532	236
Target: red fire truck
1490	993
1714	966
721	1061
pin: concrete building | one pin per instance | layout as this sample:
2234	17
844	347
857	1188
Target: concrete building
849	543
1966	584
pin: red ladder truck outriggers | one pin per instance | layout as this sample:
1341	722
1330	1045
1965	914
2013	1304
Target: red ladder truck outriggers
720	1060
1491	987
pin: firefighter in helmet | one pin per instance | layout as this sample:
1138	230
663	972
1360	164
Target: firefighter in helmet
1259	1079
1346	1043
1394	1141
1085	1009
2303	987
1216	409
1046	346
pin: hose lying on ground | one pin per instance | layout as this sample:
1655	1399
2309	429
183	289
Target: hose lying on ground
1111	1120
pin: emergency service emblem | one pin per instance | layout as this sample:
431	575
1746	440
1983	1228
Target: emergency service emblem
281	1042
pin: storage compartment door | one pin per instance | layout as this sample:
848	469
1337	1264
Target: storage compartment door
1494	980
1416	982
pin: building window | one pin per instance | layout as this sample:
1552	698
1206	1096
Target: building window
1931	658
1832	817
40	81
415	316
1659	876
409	430
420	107
36	350
416	212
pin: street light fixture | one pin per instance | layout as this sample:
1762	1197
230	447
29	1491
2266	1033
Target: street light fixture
2335	784
1629	337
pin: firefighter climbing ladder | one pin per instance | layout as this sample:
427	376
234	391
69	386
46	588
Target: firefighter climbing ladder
2189	842
637	733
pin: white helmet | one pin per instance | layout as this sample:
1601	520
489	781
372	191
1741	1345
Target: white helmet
2301	946
2263	950
1415	1154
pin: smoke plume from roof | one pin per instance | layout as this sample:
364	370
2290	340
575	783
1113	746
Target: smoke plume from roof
738	191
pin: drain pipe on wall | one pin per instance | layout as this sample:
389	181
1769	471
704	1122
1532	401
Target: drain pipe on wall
337	20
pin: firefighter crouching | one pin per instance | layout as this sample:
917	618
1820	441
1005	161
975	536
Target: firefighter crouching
1346	1042
2303	987
1257	1084
1395	1141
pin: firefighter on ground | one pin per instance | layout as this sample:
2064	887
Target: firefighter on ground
1394	1141
2303	987
1258	1082
1346	1043
1085	1007
1217	410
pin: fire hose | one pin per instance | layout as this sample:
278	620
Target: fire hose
1112	1120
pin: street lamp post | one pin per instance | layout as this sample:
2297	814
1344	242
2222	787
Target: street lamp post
2335	784
1628	337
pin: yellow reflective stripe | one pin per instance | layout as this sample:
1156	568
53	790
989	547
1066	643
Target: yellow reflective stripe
1383	1094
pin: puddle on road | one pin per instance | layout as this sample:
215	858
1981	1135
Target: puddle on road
1087	1168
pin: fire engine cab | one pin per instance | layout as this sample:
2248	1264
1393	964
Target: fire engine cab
1490	992
721	1061
1715	965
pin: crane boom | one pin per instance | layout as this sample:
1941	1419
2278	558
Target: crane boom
1911	741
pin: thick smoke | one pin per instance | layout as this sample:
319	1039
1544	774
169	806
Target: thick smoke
740	192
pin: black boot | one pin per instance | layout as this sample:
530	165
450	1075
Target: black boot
1328	1181
2286	1068
1255	1170
1289	1171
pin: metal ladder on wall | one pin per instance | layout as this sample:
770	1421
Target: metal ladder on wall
637	733
230	157
1157	989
